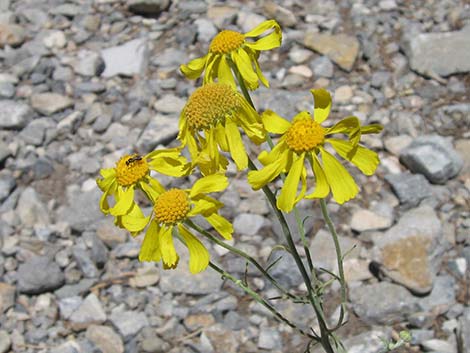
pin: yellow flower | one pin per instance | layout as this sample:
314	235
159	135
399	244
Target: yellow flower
171	209
131	172
305	138
210	120
230	47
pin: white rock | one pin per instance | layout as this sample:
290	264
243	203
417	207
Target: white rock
128	59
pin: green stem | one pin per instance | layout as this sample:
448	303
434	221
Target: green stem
339	257
259	299
244	255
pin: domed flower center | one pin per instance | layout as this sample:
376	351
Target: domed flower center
226	42
210	104
304	135
130	169
171	207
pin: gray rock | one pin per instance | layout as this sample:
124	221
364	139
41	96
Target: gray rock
84	262
68	305
284	16
39	275
71	346
72	290
248	224
7	296
322	67
205	30
31	209
5	341
7	90
130	249
367	342
68	10
127	59
7	184
88	64
363	220
99	253
437	345
63	73
169	104
11	34
464	330
90	87
221	339
105	339
382	303
128	323
420	335
433	156
89	312
13	114
50	103
285	103
167	57
441	298
285	270
82	210
148	7
35	132
409	188
4	152
162	129
270	339
439	53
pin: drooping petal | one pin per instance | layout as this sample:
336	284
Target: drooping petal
205	206
198	254
167	247
286	199
104	205
322	189
251	123
221	225
363	158
225	73
168	162
194	68
371	129
243	62
270	41
134	221
150	249
275	123
207	184
261	77
351	126
259	178
266	157
220	137
211	67
322	100
152	188
109	177
263	27
343	186
235	143
125	199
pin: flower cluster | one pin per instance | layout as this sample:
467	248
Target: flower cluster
211	127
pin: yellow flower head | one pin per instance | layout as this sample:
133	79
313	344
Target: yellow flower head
232	48
210	120
304	139
131	172
171	209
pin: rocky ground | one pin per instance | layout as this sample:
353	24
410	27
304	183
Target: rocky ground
84	81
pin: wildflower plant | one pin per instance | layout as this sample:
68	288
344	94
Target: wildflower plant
211	128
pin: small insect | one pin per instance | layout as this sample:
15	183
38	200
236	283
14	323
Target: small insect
133	159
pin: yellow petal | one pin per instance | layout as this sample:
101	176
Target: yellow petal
125	200
244	66
266	157
221	138
207	184
109	177
263	27
198	254
152	188
286	199
221	225
350	125
260	73
194	68
259	178
250	122
275	123
322	100
341	182
272	40
363	158
167	247
235	143
104	205
150	249
371	129
134	221
204	206
225	73
211	67
322	189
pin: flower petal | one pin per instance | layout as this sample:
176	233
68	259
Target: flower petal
125	200
371	129
225	73
150	249
152	188
363	158
211	67
341	182
198	254
322	189
243	62
259	178
134	221
109	177
235	143
194	68
205	206
350	125
263	27
207	184
220	137
322	100
221	225
270	41
286	199
275	123
167	247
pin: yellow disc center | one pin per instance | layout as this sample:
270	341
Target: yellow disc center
171	207
210	104
226	41
304	135
130	169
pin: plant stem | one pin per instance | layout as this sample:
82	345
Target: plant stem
339	257
259	299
